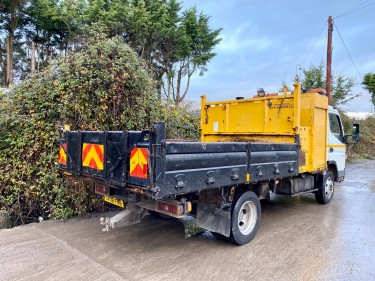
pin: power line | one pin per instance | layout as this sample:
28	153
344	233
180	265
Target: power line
342	40
359	5
355	9
313	44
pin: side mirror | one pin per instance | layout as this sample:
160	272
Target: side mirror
355	133
354	137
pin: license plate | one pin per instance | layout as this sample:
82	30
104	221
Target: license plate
114	201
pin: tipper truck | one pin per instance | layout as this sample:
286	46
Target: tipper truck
289	143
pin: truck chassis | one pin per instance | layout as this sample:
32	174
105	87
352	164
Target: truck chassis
220	183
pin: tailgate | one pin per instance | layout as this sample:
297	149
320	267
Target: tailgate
116	158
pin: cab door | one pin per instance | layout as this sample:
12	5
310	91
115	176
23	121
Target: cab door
335	144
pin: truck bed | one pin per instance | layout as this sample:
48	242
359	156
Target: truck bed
161	168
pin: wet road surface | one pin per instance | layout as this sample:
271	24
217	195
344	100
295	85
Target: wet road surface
298	240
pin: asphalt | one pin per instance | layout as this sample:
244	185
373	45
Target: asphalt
298	240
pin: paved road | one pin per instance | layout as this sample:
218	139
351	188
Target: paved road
298	240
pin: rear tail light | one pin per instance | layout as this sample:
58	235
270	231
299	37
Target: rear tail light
173	208
101	189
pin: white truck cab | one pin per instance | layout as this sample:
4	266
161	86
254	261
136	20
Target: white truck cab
336	143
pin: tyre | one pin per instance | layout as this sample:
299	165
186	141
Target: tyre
326	189
219	236
246	215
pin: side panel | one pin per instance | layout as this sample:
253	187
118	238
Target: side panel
193	167
335	146
262	115
116	157
304	160
313	133
277	119
267	119
319	139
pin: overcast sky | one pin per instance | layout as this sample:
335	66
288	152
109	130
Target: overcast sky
264	41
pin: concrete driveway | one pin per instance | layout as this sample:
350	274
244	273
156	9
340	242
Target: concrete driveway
298	240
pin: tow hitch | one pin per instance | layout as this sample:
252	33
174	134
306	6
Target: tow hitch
127	217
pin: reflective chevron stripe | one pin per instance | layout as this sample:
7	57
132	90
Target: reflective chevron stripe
93	156
138	162
62	154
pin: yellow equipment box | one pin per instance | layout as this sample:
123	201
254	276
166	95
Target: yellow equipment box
287	118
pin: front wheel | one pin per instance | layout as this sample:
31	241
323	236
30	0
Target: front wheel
245	218
326	189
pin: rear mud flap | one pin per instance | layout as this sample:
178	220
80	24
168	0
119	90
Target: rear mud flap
191	227
214	219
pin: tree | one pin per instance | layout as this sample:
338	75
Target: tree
11	19
153	30
36	31
341	84
195	50
114	14
54	25
369	85
314	77
174	43
341	89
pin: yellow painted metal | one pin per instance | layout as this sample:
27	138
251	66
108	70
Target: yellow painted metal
248	177
336	146
297	106
314	117
282	119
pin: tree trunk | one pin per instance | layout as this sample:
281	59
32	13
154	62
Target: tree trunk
32	58
61	50
3	65
190	73
38	53
47	54
169	88
178	89
9	50
186	90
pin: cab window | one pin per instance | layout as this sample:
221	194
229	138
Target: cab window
335	126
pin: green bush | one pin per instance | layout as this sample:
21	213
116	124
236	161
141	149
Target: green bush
103	87
365	148
181	122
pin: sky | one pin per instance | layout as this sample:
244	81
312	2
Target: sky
265	42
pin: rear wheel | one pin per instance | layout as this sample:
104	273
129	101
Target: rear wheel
245	218
326	189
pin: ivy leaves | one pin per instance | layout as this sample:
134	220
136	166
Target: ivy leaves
103	87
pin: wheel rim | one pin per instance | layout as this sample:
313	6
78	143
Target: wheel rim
329	187
247	217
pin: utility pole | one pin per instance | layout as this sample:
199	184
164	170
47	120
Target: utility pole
329	58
